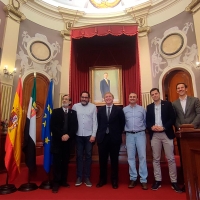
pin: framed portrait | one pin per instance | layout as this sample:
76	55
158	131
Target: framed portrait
105	79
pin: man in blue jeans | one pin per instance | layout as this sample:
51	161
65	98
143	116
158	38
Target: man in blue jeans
136	139
85	136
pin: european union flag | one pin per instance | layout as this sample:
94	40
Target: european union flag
46	133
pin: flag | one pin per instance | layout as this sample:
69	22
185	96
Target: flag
13	138
46	133
30	132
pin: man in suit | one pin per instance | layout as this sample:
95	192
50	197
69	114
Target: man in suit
187	112
104	85
111	122
64	125
160	119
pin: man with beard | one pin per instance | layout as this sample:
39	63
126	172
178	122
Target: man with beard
64	126
85	137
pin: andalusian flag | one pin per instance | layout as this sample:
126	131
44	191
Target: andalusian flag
46	134
13	138
30	132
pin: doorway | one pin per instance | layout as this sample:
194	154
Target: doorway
170	81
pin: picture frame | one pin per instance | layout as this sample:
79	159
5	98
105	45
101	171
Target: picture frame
98	85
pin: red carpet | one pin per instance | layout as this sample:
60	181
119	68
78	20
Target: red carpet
85	193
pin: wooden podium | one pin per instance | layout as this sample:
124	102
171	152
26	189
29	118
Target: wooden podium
190	151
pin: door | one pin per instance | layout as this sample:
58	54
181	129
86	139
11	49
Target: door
170	81
42	84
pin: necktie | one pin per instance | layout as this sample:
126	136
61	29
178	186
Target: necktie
108	114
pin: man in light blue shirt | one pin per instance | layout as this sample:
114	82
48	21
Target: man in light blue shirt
85	136
136	138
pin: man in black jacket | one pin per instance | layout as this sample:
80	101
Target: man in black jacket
160	119
64	125
111	122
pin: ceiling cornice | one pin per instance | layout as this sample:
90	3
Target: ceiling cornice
194	6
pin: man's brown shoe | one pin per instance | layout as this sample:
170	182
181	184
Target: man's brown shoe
132	184
144	186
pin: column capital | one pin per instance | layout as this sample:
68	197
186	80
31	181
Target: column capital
194	6
67	32
13	12
143	28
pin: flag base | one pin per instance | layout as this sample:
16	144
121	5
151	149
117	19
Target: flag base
28	187
7	189
46	185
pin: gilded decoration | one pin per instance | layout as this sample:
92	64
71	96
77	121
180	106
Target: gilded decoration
12	11
105	3
193	6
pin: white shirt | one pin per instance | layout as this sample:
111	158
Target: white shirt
183	103
158	120
87	119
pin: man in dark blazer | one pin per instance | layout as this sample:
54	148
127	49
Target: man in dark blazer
160	119
187	112
111	122
64	125
104	85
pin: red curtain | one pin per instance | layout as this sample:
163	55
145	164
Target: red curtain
105	46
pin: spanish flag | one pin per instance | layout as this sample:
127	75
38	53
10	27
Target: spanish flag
13	138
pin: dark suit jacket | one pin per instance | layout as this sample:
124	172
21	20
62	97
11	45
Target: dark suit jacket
116	124
192	112
104	87
56	126
167	115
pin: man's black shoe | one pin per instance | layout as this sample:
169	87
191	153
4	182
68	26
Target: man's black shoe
176	187
114	184
100	184
55	188
156	185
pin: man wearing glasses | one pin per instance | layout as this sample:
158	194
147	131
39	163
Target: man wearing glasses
85	136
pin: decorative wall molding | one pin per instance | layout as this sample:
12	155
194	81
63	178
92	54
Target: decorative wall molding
13	12
194	6
34	9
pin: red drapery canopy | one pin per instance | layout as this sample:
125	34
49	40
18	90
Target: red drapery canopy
99	46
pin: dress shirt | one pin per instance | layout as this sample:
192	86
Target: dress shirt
87	119
135	118
183	103
65	109
158	119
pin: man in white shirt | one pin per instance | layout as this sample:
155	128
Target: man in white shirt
85	137
187	112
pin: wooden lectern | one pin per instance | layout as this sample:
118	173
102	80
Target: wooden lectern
190	151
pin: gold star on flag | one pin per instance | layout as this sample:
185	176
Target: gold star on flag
47	140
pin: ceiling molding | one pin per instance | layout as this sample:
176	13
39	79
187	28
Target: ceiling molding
194	6
37	8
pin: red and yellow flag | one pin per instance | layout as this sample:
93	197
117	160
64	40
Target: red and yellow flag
13	138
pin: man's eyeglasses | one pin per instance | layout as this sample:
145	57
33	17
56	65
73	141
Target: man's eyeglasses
84	97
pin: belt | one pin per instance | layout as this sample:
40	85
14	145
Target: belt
134	132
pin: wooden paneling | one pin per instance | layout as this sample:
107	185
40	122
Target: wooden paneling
190	150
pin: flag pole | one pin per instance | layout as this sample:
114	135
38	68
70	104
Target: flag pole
46	185
46	136
26	187
7	188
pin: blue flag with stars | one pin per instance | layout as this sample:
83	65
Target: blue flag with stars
46	133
